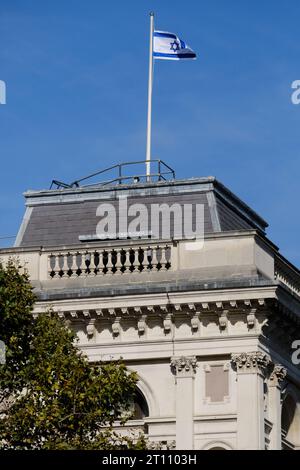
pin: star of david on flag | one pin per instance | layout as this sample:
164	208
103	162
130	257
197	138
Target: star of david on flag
171	47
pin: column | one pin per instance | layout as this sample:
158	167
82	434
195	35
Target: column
251	369
184	369
274	383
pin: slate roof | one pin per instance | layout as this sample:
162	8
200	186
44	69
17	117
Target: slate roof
66	216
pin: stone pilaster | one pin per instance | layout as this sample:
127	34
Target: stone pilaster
275	382
184	369
251	370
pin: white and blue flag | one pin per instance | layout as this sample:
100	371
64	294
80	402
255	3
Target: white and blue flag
171	47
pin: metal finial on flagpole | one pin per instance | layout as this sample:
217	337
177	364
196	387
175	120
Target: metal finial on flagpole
150	86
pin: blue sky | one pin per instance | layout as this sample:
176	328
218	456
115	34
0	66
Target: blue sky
76	75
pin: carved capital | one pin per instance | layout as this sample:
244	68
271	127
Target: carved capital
184	366
277	375
162	445
252	362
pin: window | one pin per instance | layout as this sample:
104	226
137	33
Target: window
140	406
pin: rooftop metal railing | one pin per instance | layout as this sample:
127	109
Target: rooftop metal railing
162	172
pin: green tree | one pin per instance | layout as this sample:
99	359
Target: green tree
51	397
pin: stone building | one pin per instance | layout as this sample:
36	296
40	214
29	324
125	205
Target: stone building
210	328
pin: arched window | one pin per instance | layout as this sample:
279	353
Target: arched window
217	448
140	406
217	445
290	423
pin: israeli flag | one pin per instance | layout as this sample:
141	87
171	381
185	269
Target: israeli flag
171	47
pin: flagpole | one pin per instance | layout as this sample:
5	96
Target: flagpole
150	86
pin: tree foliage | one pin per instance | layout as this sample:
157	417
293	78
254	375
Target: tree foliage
51	397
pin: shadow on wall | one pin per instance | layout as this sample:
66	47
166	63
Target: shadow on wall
290	420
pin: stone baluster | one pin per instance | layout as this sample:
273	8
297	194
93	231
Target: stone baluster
163	259
136	262
118	264
109	265
74	266
127	263
154	260
100	265
92	264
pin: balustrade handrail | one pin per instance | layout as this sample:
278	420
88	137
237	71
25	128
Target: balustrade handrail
89	245
109	244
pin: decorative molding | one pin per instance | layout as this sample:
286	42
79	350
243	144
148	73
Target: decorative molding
251	318
255	306
116	327
277	375
251	362
223	319
141	324
195	322
221	314
184	366
207	367
90	328
162	445
167	323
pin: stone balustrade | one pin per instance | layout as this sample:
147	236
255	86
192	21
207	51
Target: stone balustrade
109	261
287	274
